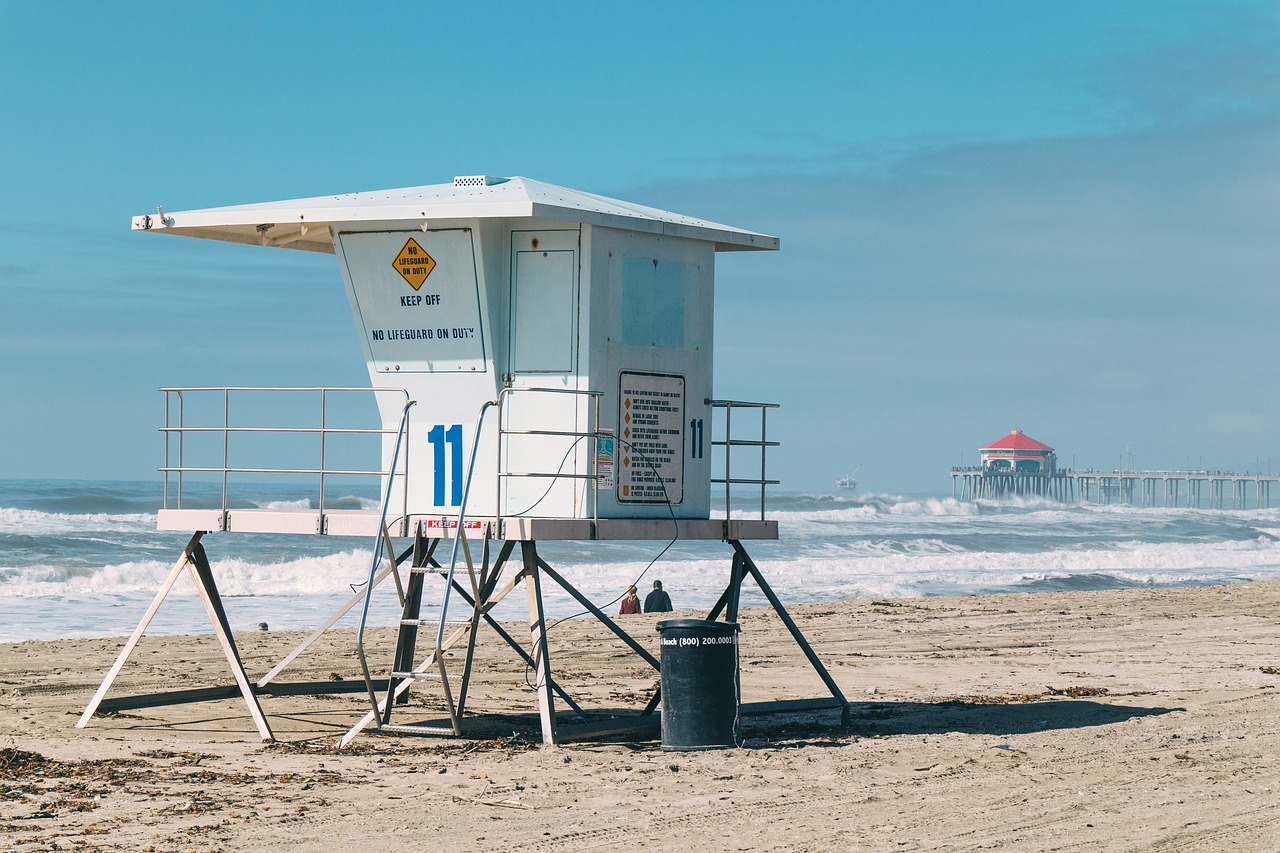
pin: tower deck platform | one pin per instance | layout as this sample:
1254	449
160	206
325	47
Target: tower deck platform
364	523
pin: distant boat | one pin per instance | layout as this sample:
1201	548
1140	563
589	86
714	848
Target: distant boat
847	481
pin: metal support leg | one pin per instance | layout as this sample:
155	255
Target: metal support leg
406	641
538	637
163	593
519	650
735	587
721	603
600	614
330	622
795	632
478	582
202	574
732	592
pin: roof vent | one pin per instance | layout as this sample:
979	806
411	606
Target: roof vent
476	181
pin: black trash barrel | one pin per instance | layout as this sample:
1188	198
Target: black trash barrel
699	684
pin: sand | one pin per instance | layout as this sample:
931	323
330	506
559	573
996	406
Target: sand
1118	720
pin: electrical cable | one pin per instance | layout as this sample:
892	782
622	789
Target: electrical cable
554	477
675	536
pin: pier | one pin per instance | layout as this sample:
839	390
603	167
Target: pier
1191	489
1019	466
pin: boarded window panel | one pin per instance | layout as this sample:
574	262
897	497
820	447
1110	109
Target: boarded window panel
653	300
542	305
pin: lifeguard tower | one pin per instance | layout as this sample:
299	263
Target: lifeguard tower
541	359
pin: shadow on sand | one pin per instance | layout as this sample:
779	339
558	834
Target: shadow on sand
900	718
866	719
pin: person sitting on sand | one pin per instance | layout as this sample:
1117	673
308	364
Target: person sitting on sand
657	601
631	603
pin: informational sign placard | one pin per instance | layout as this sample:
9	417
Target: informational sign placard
417	298
651	429
606	461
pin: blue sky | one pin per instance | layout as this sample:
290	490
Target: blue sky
1055	216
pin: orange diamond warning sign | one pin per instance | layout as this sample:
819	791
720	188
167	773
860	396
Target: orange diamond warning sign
414	264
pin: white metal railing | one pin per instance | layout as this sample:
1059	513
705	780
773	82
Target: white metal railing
179	429
592	432
744	442
758	442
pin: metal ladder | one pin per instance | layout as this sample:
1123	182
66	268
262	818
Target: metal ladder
448	634
403	670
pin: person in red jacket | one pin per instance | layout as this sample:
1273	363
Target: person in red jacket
631	603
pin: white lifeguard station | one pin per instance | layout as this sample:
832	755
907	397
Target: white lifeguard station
541	360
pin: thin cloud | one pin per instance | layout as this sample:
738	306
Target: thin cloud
1231	68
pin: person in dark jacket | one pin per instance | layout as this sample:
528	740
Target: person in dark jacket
657	601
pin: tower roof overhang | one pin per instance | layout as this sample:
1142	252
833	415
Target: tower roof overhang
306	224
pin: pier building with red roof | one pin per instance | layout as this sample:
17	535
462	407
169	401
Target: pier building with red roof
1018	451
1015	464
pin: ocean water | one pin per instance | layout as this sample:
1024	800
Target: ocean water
81	558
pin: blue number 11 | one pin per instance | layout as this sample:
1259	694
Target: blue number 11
438	437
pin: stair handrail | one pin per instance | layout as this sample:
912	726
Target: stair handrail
459	530
460	524
377	558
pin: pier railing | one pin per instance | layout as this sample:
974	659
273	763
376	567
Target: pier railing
1204	489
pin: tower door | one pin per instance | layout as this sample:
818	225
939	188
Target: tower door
543	353
543	345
